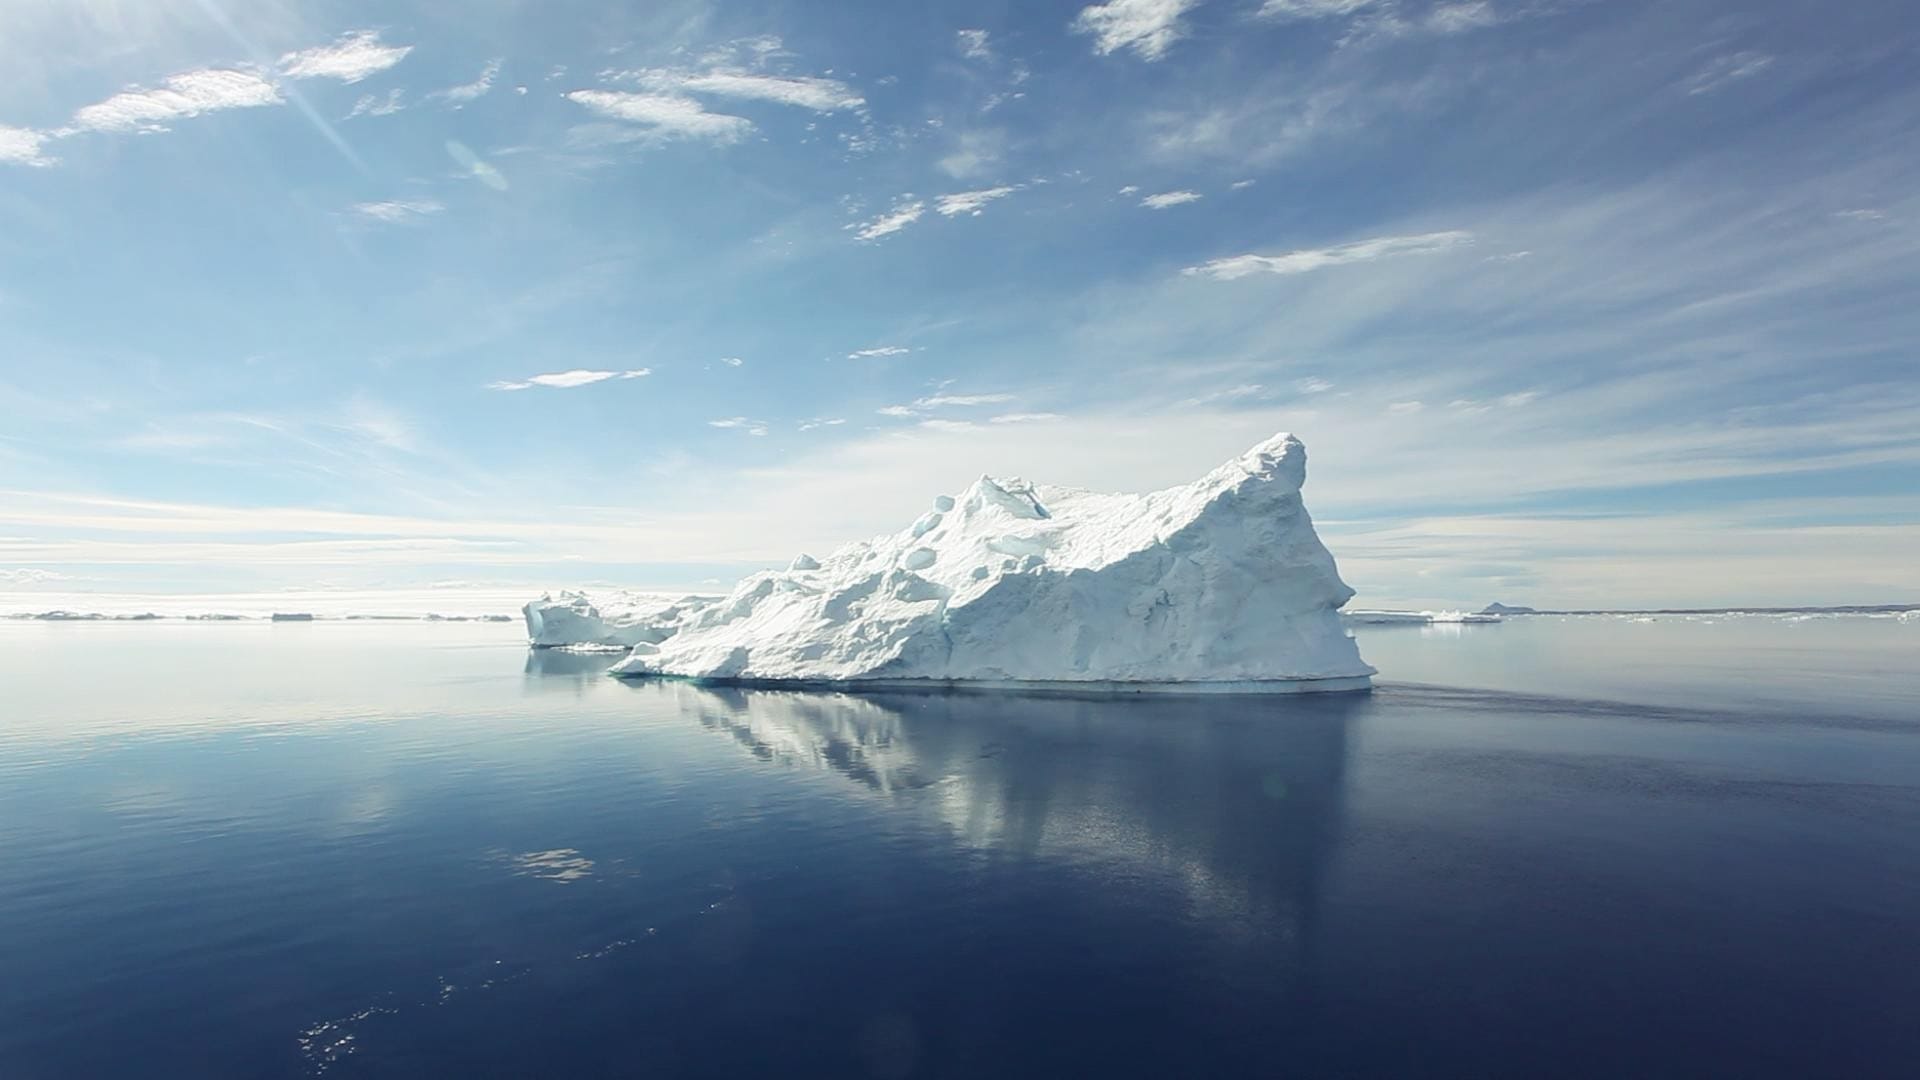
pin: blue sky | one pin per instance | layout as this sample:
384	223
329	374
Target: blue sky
1574	303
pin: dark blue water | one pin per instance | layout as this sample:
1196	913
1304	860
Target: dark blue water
368	851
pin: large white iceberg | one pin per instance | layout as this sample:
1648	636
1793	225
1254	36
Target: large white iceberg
1218	585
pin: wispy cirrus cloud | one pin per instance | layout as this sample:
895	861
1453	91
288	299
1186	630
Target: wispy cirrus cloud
974	153
1311	9
920	407
377	104
878	350
398	211
970	202
904	213
801	91
1310	259
664	116
180	97
1167	199
1232	393
1148	27
1517	400
1459	18
472	91
207	90
973	44
944	401
568	380
351	58
1385	19
1722	70
741	423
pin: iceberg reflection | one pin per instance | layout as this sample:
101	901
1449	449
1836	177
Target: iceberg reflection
1238	803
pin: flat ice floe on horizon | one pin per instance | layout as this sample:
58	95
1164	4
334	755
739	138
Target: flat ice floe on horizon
1220	585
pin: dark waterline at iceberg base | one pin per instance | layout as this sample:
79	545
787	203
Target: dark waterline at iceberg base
400	851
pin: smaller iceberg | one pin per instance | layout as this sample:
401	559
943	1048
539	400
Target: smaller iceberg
614	621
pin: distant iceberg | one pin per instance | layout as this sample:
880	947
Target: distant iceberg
1219	585
616	620
1417	618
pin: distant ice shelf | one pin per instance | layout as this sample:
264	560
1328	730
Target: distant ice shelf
1218	585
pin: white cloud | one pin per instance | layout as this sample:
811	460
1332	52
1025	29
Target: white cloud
1728	69
1313	386
398	212
1231	393
29	576
1027	418
970	202
21	146
1383	19
741	423
1508	256
1862	214
820	422
1459	18
1148	27
975	153
749	52
1170	198
378	104
974	44
802	91
1130	189
948	425
879	350
942	401
902	215
1240	185
351	58
665	116
732	361
921	406
472	91
1311	9
568	380
1505	401
1405	408
1304	261
193	93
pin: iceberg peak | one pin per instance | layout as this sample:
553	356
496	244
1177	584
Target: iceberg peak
1220	584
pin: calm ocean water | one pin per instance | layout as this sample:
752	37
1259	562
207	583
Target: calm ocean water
1554	847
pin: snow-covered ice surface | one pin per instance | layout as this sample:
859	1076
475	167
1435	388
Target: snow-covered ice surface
1217	585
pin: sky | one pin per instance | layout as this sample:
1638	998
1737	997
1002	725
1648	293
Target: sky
1575	303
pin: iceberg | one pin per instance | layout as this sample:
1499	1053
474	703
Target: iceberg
619	620
1220	585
